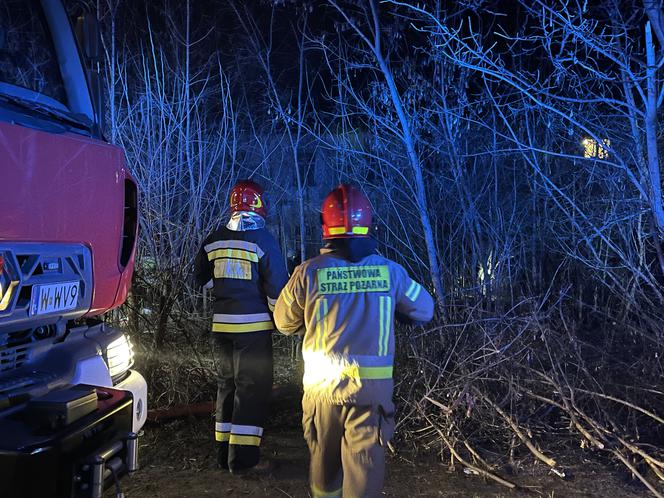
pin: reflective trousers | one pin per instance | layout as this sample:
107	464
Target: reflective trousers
347	447
243	387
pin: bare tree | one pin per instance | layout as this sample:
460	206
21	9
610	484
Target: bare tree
371	37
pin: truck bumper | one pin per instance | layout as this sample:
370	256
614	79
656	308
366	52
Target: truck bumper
79	459
136	385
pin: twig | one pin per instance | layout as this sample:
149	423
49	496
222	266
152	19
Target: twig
626	403
476	455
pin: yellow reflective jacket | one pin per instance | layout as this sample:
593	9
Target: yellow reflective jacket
346	312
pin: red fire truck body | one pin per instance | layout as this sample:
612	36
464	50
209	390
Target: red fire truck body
68	188
70	403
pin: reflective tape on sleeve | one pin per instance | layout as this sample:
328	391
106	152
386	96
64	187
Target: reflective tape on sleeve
288	296
413	291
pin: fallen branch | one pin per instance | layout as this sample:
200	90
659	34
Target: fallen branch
631	467
472	467
525	439
654	464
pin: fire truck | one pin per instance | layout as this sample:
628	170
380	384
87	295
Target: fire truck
71	405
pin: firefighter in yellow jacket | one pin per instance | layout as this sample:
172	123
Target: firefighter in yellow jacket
344	302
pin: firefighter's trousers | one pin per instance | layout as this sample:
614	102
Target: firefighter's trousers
347	447
243	388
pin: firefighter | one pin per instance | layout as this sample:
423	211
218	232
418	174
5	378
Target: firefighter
244	266
346	299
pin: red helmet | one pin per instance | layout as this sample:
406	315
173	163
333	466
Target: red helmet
247	195
346	212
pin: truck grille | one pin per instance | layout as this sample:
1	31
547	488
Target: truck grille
24	266
15	347
12	358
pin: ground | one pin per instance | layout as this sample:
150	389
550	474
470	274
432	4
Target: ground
177	459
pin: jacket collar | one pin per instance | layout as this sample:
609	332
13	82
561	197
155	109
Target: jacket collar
352	250
241	221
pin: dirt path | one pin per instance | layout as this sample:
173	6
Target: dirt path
178	460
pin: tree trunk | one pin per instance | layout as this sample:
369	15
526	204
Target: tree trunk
420	189
165	305
655	185
296	146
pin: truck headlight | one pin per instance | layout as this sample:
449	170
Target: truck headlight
119	356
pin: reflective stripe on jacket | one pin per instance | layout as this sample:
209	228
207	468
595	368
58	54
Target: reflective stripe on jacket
347	312
246	271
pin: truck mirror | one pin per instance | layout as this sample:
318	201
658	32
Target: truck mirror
88	34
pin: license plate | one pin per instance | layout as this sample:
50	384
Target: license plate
54	297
